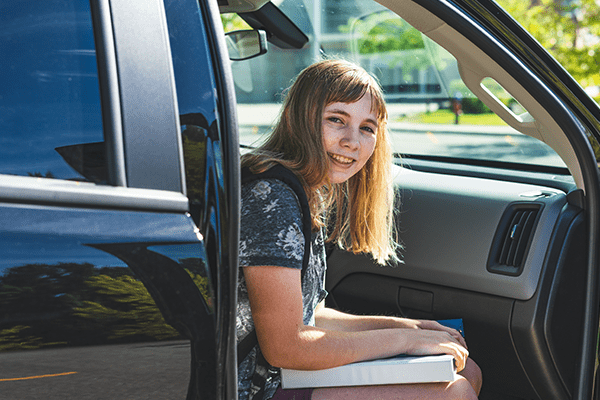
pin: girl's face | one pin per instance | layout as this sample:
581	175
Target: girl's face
349	137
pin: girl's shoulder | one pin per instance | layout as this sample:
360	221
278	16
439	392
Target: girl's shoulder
269	190
275	181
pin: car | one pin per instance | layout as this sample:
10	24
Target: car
121	126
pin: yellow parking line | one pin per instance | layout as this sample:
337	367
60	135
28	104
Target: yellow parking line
36	377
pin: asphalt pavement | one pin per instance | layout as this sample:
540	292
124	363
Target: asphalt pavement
158	370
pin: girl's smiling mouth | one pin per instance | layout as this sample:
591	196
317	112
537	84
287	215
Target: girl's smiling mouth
341	159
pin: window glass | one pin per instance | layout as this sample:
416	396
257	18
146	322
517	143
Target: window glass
50	114
432	113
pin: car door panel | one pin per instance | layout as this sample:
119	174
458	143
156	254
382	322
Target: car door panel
448	225
103	302
486	319
546	329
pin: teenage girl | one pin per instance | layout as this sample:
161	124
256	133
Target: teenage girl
332	135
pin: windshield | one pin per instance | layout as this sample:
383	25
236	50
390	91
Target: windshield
431	111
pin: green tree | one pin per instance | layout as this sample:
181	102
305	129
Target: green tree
194	154
233	22
126	308
204	286
382	32
17	338
388	39
88	305
569	29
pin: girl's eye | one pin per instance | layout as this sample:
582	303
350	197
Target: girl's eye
334	119
368	129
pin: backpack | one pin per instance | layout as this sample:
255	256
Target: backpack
283	174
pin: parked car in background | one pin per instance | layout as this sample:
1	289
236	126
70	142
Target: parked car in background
121	125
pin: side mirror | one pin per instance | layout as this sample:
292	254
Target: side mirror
243	45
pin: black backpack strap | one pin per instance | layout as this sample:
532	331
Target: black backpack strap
246	345
283	174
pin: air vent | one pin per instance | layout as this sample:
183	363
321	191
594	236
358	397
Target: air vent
513	238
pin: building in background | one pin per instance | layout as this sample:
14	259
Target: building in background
410	68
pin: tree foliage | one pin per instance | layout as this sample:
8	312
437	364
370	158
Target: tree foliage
233	22
124	304
194	154
380	33
76	304
385	38
568	29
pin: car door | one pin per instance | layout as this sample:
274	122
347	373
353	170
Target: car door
117	201
497	219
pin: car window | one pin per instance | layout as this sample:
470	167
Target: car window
431	111
50	113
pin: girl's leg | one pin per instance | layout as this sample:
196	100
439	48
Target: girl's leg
458	390
473	374
465	387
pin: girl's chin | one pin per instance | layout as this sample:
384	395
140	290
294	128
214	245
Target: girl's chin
340	177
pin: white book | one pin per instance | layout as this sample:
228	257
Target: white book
394	370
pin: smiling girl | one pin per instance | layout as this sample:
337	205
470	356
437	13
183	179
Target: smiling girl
332	135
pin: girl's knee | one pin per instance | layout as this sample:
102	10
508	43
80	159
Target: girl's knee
461	389
473	374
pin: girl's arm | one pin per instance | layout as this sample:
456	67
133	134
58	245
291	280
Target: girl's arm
276	302
328	318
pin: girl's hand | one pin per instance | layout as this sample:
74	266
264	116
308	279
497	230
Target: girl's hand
437	341
431	326
436	326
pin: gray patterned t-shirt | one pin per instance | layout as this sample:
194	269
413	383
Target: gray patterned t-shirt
271	234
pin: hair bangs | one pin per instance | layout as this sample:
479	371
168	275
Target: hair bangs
351	87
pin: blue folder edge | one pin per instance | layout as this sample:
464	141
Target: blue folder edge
455	324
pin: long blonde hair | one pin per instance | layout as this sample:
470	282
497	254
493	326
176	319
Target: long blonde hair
358	212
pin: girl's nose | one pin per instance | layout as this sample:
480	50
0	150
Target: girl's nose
351	138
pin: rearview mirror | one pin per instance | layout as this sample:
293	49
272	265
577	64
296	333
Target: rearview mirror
243	45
